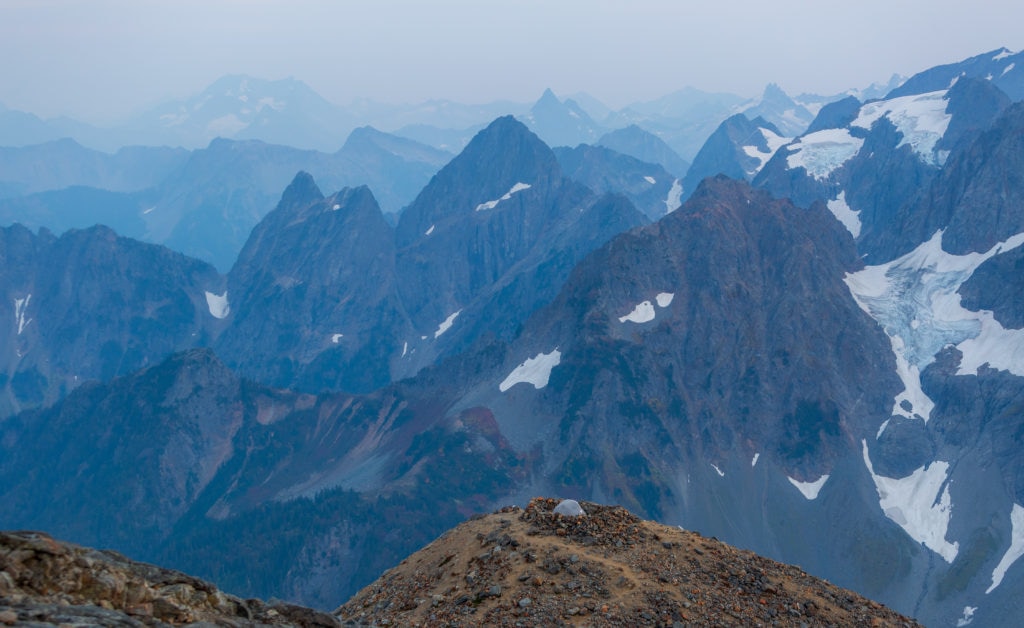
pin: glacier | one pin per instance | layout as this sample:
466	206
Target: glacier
821	152
774	141
914	298
921	118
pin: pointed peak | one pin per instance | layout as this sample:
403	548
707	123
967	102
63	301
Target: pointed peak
301	191
548	97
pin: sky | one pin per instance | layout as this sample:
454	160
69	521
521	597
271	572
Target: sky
103	59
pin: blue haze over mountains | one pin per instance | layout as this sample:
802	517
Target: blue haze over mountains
793	324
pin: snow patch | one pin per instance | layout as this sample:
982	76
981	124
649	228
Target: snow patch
1007	69
717	470
881	429
174	119
921	118
405	348
218	304
810	490
967	618
336	338
674	194
821	152
446	324
753	461
650	180
226	126
1000	348
845	215
518	187
270	101
774	141
918	503
1002	54
148	210
535	370
914	298
642	313
20	310
335	207
1016	549
430	230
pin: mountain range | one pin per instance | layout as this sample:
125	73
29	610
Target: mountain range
814	355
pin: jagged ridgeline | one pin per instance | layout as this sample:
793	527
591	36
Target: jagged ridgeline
817	359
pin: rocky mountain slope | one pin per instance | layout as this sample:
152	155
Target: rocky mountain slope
46	582
92	305
605	567
648	186
738	148
326	294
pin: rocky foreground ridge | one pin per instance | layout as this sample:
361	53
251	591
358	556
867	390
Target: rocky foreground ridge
45	582
515	567
607	567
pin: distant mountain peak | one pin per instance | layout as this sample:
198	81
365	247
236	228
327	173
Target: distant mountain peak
548	95
498	158
508	149
302	191
772	90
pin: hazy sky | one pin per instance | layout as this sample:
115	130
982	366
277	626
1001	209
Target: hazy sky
104	58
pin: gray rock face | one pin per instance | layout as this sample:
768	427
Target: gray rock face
314	286
724	153
499	214
648	186
90	305
164	427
